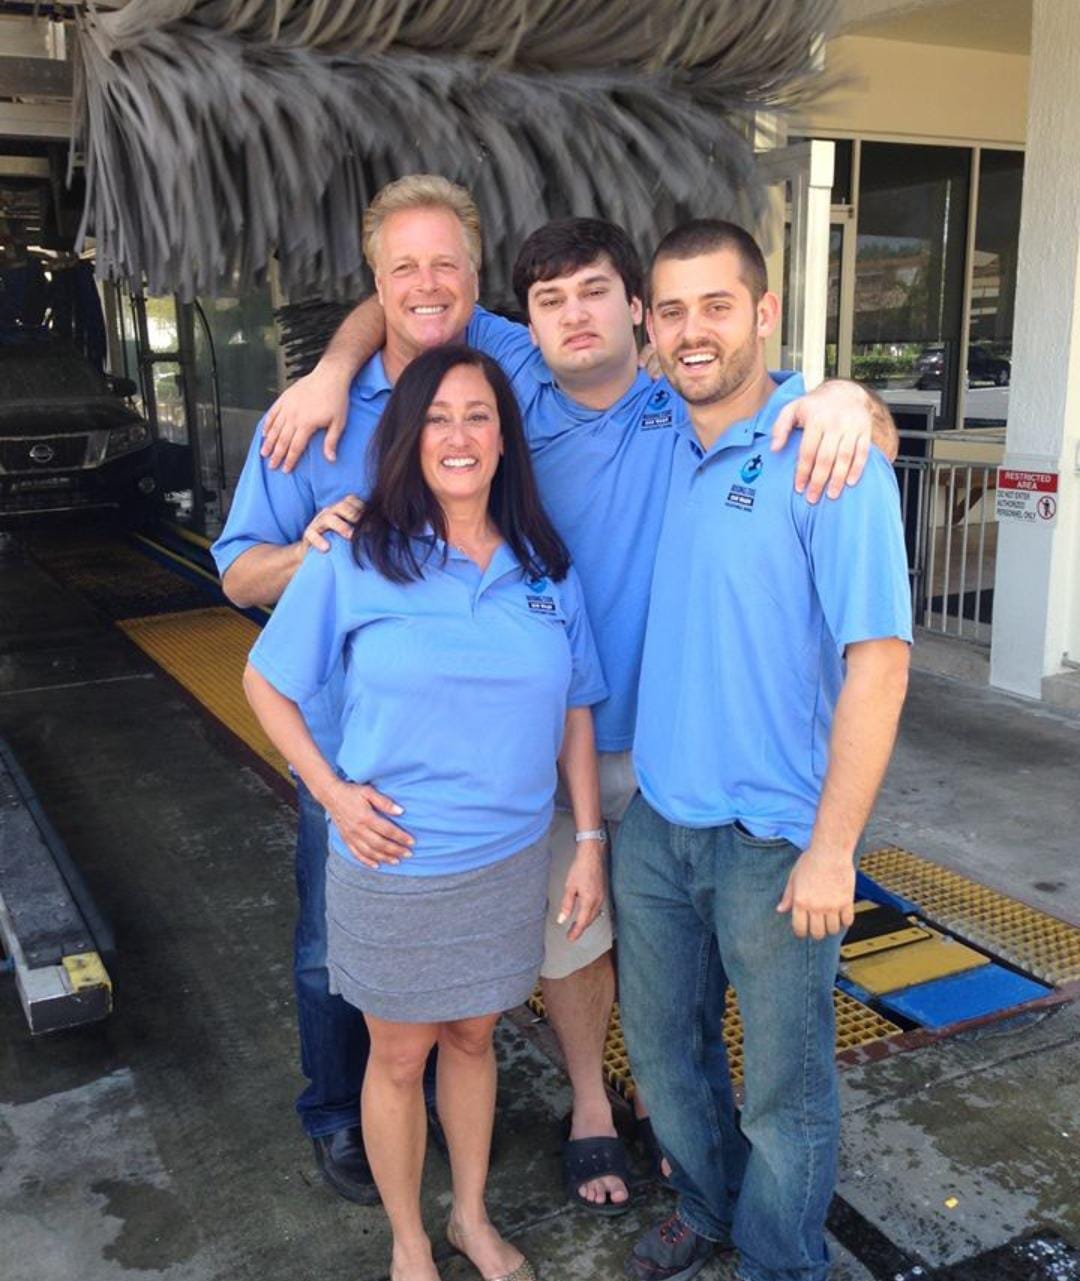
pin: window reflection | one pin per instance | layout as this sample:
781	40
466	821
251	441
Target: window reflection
788	358
909	272
993	288
245	352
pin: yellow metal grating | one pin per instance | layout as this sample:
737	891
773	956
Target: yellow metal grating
856	1024
1034	941
205	651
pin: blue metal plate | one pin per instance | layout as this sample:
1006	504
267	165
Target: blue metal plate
987	990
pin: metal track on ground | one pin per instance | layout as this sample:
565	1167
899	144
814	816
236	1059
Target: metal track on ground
115	577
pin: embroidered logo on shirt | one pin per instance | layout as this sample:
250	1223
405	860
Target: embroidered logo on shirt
536	602
752	469
741	497
657	411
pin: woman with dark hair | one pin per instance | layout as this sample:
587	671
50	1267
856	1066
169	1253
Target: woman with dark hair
469	670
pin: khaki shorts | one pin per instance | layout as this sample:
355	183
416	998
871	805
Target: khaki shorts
617	788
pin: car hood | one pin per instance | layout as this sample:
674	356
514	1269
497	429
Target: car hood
51	389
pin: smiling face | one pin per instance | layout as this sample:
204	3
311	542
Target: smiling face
584	323
461	443
424	278
707	329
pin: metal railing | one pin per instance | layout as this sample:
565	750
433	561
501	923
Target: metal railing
948	481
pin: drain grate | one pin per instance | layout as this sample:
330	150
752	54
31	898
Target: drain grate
205	651
856	1024
1032	940
115	578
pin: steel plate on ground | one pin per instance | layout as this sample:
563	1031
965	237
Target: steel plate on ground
990	989
904	967
878	928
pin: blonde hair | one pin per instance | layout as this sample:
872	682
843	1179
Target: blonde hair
422	191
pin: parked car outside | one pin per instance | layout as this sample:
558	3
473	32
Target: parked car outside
69	440
982	367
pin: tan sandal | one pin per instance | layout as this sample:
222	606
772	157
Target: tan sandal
523	1271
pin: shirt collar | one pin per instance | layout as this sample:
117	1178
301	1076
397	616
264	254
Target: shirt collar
371	381
542	374
503	557
789	386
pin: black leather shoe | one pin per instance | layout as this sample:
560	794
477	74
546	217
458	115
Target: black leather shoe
343	1164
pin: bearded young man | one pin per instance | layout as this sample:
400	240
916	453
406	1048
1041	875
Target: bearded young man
773	674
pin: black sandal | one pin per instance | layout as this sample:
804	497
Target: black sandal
587	1159
654	1153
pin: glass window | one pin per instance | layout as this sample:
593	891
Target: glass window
240	340
909	272
128	346
161	325
832	319
993	288
841	187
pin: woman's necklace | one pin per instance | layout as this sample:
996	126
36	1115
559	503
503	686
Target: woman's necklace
479	549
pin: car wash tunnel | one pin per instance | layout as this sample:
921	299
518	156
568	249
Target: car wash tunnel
172	254
139	915
930	950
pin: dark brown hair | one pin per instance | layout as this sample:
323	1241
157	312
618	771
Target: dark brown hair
569	244
708	236
402	509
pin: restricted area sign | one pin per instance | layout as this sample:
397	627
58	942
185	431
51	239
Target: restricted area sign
1027	496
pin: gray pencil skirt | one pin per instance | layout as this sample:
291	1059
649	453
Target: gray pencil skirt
426	949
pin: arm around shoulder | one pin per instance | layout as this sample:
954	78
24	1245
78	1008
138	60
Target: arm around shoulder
320	399
260	575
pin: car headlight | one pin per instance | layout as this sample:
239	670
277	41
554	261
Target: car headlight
122	440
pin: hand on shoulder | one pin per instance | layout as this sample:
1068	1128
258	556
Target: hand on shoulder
316	401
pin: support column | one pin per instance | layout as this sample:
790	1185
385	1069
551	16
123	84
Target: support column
808	168
1036	628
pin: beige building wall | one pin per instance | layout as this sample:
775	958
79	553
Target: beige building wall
923	92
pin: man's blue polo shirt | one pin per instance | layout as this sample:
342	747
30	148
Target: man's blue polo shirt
755	595
602	476
455	692
272	506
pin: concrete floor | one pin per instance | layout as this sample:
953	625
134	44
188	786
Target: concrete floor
161	1143
988	785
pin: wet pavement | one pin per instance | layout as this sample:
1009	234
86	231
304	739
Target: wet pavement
161	1144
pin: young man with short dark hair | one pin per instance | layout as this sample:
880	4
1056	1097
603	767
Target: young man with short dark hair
773	673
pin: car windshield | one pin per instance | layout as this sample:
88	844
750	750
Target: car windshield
49	388
47	371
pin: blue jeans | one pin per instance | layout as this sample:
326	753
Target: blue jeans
697	911
334	1041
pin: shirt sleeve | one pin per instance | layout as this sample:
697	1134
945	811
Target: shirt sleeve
507	342
300	646
269	506
587	684
858	558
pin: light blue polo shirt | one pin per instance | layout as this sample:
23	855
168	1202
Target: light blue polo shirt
602	475
272	506
755	595
456	688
